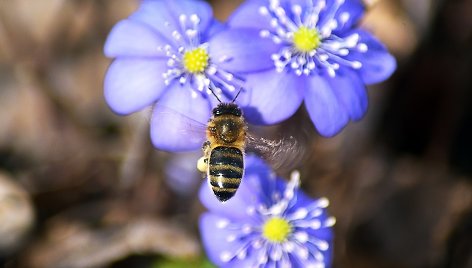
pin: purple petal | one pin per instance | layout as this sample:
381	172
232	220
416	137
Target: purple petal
189	7
215	28
347	16
234	208
215	241
271	96
323	106
377	63
181	173
243	49
247	15
355	9
351	93
131	38
163	16
178	121
133	83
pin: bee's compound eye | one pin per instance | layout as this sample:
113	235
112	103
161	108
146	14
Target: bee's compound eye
202	164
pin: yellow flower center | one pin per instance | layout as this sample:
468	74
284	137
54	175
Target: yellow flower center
276	230
196	60
306	39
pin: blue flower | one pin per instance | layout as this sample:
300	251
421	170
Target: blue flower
268	223
321	58
181	175
171	52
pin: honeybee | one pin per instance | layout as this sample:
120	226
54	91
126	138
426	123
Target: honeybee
223	152
225	140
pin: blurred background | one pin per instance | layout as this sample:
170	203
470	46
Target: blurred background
82	187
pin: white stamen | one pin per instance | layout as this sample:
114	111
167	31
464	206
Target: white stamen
315	224
222	224
276	40
279	11
242	254
194	19
331	72
190	33
182	19
211	70
224	58
362	47
356	64
246	229
299	214
276	253
262	258
231	238
322	245
318	256
302	252
343	51
323	202
250	210
288	246
257	244
302	237
352	40
297	10
263	10
330	222
225	256
176	35
264	33
323	57
344	17
317	212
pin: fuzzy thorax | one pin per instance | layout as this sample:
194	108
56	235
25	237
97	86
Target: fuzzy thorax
227	130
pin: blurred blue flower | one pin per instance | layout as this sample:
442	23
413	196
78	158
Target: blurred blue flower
320	57
181	174
171	52
268	223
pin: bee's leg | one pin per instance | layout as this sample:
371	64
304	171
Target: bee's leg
205	146
202	164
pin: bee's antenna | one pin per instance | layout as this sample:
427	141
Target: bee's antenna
210	87
236	95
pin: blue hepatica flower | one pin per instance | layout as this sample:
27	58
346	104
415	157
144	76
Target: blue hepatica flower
320	58
170	52
268	223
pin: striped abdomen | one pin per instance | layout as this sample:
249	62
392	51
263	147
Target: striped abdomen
225	170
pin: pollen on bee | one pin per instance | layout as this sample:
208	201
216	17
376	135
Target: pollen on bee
202	165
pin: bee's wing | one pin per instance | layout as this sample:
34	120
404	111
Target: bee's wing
282	154
174	131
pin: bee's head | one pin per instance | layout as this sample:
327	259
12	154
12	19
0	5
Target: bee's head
227	109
